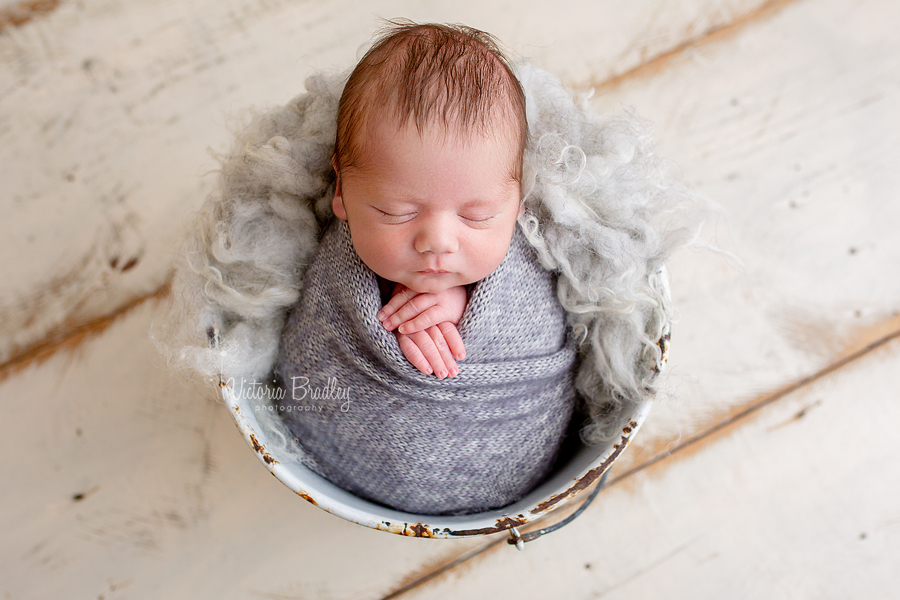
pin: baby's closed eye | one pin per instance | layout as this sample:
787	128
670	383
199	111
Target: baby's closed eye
478	220
389	217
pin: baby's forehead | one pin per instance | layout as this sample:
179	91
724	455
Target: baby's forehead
383	125
379	139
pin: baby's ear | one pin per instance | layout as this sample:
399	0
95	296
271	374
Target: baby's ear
337	203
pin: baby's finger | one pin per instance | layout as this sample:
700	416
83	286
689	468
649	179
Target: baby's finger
437	336
400	298
413	354
429	350
454	340
416	305
419	322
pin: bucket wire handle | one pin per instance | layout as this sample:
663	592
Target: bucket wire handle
518	540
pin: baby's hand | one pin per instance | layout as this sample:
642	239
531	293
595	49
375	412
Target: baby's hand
432	350
410	311
426	328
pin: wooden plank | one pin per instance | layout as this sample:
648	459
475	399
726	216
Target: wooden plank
788	125
128	482
107	109
795	500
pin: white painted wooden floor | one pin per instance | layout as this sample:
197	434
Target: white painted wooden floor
768	468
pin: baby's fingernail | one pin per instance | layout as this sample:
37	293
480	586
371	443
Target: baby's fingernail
441	374
454	372
380	315
402	329
460	356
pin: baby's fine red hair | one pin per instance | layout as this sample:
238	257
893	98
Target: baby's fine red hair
450	75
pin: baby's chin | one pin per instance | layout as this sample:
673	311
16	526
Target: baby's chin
431	289
434	284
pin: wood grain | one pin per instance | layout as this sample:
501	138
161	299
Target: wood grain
764	471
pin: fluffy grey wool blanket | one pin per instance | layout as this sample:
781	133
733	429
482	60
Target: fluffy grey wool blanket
369	422
600	211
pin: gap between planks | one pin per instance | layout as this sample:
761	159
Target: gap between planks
713	34
870	341
20	13
70	336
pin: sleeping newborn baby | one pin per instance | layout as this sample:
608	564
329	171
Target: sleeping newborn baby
427	366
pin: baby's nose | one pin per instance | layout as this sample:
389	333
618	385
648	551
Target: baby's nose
437	237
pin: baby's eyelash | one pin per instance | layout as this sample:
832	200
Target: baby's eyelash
396	218
474	220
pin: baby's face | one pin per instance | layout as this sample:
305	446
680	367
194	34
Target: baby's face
433	210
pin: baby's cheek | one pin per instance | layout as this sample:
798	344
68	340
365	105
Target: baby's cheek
493	252
384	253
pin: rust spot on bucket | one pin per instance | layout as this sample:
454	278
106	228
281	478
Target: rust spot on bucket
260	449
663	345
419	530
510	522
308	498
390	527
502	525
414	530
589	477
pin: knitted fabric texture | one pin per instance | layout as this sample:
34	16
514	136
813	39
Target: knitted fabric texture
369	422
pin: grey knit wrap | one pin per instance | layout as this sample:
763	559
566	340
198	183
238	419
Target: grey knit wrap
369	422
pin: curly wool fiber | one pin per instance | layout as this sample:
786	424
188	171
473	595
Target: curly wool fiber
242	264
601	212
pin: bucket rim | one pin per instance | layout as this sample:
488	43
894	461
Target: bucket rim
570	479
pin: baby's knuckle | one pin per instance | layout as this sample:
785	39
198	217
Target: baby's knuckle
440	343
